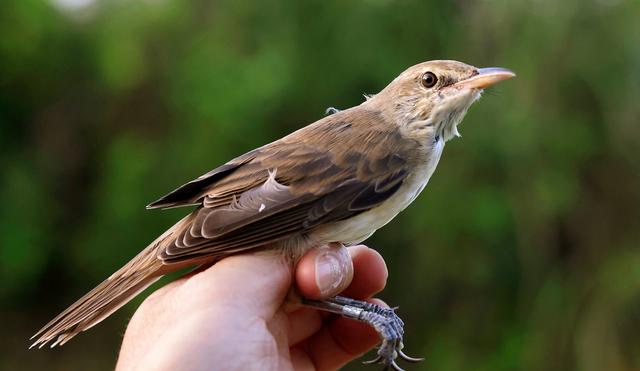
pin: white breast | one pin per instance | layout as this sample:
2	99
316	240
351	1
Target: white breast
358	228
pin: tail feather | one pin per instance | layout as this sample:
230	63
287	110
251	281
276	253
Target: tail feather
100	302
113	293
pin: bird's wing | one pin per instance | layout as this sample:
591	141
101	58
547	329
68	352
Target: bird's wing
192	193
326	172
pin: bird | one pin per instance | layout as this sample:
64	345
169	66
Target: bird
336	180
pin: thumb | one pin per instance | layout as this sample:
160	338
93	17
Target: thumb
324	272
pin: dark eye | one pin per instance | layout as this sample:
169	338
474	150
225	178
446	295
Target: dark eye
429	80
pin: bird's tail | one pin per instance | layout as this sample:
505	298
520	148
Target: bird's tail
143	270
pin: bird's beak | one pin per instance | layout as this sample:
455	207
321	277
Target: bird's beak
485	77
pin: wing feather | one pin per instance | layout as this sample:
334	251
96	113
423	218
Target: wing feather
324	173
190	193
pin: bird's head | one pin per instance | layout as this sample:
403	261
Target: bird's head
431	98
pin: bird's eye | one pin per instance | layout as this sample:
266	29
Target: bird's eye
429	80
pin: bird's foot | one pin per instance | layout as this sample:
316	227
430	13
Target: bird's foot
388	325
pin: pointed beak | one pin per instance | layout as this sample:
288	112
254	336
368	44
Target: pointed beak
485	77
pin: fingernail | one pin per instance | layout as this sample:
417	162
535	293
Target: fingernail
328	275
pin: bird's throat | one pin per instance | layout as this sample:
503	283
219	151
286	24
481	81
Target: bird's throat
450	111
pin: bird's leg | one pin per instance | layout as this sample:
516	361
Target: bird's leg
383	320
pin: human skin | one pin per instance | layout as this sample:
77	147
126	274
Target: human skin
230	316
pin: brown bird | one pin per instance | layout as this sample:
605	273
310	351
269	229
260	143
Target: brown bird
335	181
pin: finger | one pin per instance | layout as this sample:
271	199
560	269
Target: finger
370	278
324	272
303	323
369	273
300	360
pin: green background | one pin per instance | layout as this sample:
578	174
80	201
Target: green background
522	253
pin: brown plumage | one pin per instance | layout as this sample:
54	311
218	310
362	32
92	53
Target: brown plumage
336	180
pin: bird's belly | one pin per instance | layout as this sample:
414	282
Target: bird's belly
358	228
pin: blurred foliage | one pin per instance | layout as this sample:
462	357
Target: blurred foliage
523	253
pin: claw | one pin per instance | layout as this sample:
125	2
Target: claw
395	366
373	361
409	359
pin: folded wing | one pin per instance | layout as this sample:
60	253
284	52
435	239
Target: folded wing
324	173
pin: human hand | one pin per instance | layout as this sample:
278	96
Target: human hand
230	316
